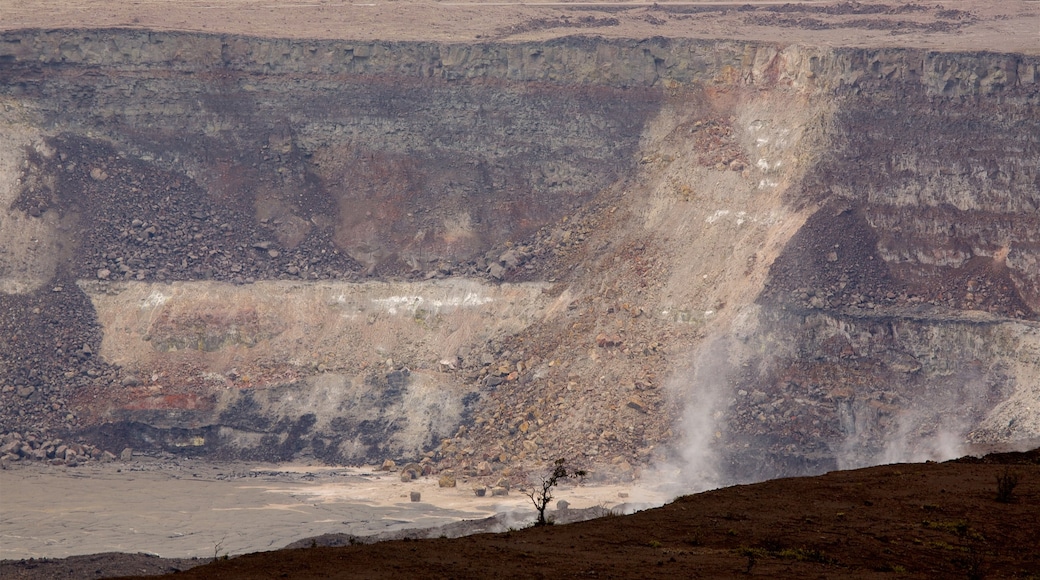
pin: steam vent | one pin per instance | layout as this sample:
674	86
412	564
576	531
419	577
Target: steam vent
575	231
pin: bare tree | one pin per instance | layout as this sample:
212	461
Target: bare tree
541	498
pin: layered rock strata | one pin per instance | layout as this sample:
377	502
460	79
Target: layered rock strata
779	258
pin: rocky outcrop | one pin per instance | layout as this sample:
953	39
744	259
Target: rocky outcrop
783	257
911	292
16	447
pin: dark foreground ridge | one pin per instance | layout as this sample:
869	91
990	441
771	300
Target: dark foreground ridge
925	520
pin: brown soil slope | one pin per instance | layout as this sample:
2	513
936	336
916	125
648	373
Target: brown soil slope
904	520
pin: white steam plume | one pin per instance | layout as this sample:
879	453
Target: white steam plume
933	427
701	390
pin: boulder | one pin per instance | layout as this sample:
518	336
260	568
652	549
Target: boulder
510	259
496	271
493	381
637	404
413	467
446	480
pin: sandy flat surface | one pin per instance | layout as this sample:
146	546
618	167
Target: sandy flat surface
1011	26
187	509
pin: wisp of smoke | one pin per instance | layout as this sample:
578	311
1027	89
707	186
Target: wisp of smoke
932	428
695	467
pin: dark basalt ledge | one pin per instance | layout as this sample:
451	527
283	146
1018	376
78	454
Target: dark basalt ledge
568	60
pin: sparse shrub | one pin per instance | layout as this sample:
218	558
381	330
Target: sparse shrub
1006	483
806	555
541	497
973	564
771	544
752	555
958	527
218	549
602	511
773	549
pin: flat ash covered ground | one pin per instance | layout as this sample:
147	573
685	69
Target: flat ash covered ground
1008	26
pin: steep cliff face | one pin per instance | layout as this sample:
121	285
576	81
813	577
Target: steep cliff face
326	140
780	259
903	300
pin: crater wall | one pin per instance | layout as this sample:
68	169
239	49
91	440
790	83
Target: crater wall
783	258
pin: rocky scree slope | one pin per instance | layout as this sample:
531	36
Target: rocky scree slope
749	259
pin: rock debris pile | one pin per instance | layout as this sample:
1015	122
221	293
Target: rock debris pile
34	447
